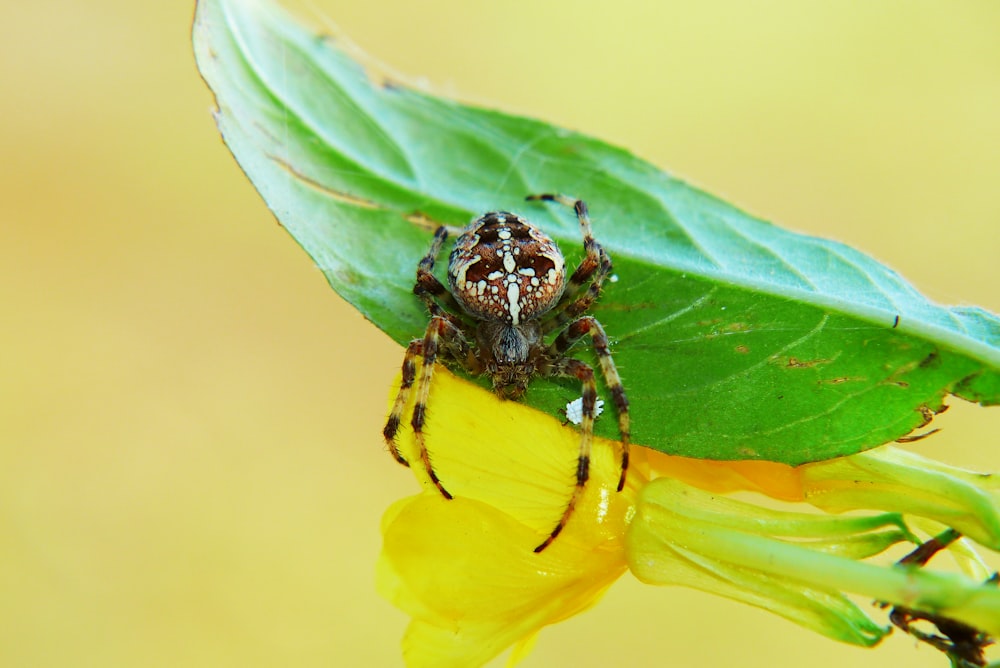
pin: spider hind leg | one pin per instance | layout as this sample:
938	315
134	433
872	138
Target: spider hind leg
443	338
569	366
588	325
409	373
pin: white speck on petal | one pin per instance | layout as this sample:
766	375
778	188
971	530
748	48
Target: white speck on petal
574	410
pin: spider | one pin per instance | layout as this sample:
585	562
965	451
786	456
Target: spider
507	290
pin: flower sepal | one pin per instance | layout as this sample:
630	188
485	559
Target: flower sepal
797	565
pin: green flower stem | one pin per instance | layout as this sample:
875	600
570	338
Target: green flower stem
699	505
667	543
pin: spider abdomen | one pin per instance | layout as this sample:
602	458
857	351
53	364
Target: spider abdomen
505	269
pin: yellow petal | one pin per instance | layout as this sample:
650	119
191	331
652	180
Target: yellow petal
779	481
521	461
465	569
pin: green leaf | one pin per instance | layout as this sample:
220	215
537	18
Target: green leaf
735	339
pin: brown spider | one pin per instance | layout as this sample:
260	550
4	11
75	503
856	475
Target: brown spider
507	291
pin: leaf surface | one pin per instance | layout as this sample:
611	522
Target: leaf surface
735	339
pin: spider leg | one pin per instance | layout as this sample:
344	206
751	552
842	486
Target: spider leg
456	346
415	349
439	326
565	312
569	366
429	288
576	330
442	338
593	269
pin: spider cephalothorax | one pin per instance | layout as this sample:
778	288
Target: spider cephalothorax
508	290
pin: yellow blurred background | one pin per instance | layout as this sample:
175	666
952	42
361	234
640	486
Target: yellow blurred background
191	470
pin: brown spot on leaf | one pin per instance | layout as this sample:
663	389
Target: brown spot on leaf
926	413
840	380
796	363
933	359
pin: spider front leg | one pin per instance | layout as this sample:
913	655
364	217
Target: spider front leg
441	332
577	330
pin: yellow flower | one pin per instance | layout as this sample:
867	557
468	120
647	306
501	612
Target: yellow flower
466	573
465	569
